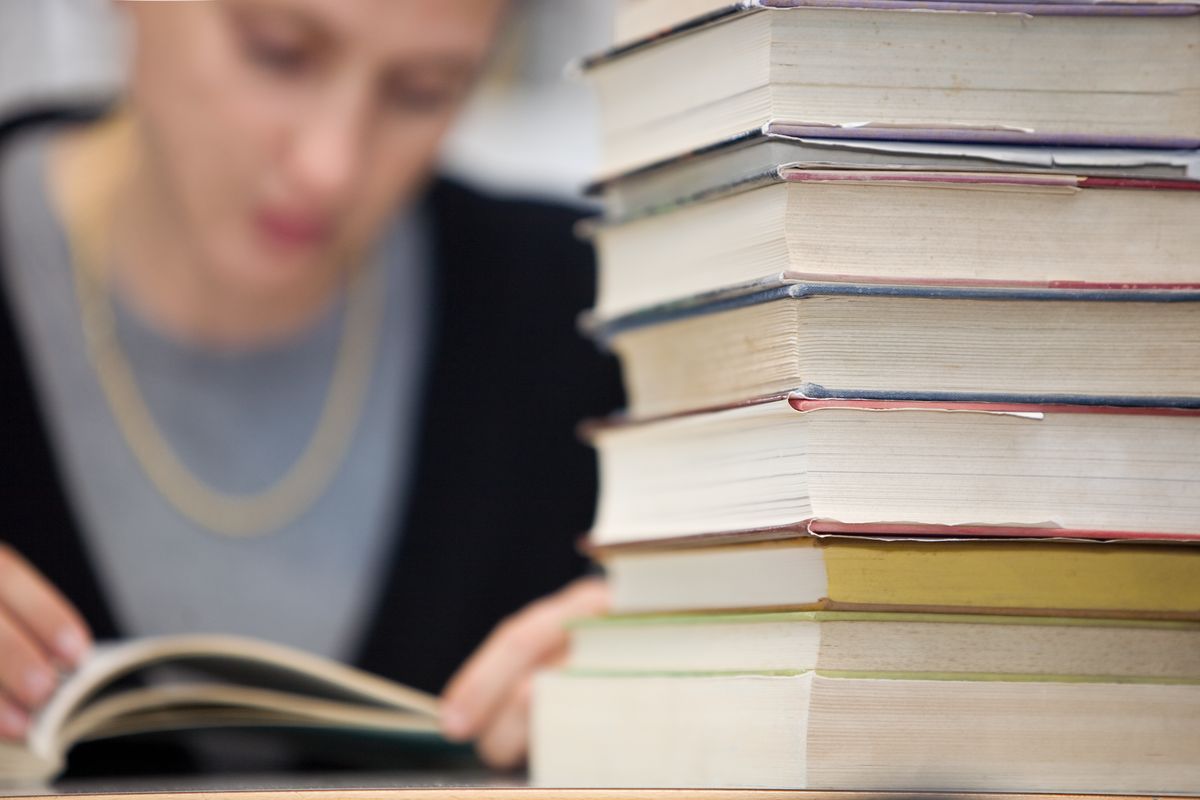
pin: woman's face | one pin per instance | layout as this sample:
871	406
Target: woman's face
282	133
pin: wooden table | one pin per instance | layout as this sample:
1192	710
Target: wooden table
410	786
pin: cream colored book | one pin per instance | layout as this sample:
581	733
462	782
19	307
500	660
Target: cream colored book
237	682
908	225
1119	74
637	19
897	643
902	467
868	733
641	19
1102	347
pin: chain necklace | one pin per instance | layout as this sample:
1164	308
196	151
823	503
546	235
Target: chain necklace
229	514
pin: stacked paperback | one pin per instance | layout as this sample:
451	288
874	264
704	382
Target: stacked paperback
907	493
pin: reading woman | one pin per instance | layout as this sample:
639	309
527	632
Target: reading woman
264	375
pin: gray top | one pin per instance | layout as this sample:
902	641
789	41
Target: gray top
238	421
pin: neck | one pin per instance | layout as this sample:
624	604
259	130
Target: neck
134	238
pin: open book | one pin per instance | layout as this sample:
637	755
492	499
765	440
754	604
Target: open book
211	681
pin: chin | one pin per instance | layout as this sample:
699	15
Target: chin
267	274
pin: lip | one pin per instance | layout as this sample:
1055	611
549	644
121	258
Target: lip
291	229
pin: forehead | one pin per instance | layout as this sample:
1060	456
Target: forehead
392	29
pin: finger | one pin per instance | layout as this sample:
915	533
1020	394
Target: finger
53	622
505	741
588	596
26	674
523	641
14	723
476	692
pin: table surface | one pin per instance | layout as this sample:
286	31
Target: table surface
443	786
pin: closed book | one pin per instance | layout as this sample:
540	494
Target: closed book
978	576
865	733
758	156
903	225
872	340
971	645
1108	70
638	19
902	467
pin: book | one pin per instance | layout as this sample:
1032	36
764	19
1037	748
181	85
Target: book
1127	71
216	681
756	158
864	733
965	645
859	573
902	226
638	19
905	497
634	20
902	467
1098	346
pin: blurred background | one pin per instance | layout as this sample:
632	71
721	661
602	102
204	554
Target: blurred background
528	130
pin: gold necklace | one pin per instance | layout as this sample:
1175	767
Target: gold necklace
230	514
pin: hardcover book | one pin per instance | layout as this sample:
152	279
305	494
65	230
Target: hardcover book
758	157
1128	71
1100	346
902	467
861	573
637	20
903	226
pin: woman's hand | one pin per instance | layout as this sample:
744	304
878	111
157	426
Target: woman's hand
40	633
488	698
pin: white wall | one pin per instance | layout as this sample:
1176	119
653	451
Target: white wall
528	129
528	125
50	47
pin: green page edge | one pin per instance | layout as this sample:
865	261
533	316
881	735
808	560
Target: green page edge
984	677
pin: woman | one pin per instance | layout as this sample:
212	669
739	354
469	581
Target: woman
264	377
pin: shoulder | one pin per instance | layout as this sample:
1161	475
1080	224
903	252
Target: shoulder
15	120
17	126
523	237
24	134
512	279
519	257
495	217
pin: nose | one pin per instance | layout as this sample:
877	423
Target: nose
328	149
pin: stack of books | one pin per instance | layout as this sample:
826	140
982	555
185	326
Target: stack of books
907	493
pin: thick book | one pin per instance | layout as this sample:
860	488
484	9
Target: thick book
1101	70
636	20
915	225
214	681
639	19
976	576
902	467
963	645
757	157
1100	345
866	733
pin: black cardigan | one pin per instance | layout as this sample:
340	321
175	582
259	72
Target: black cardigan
502	488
